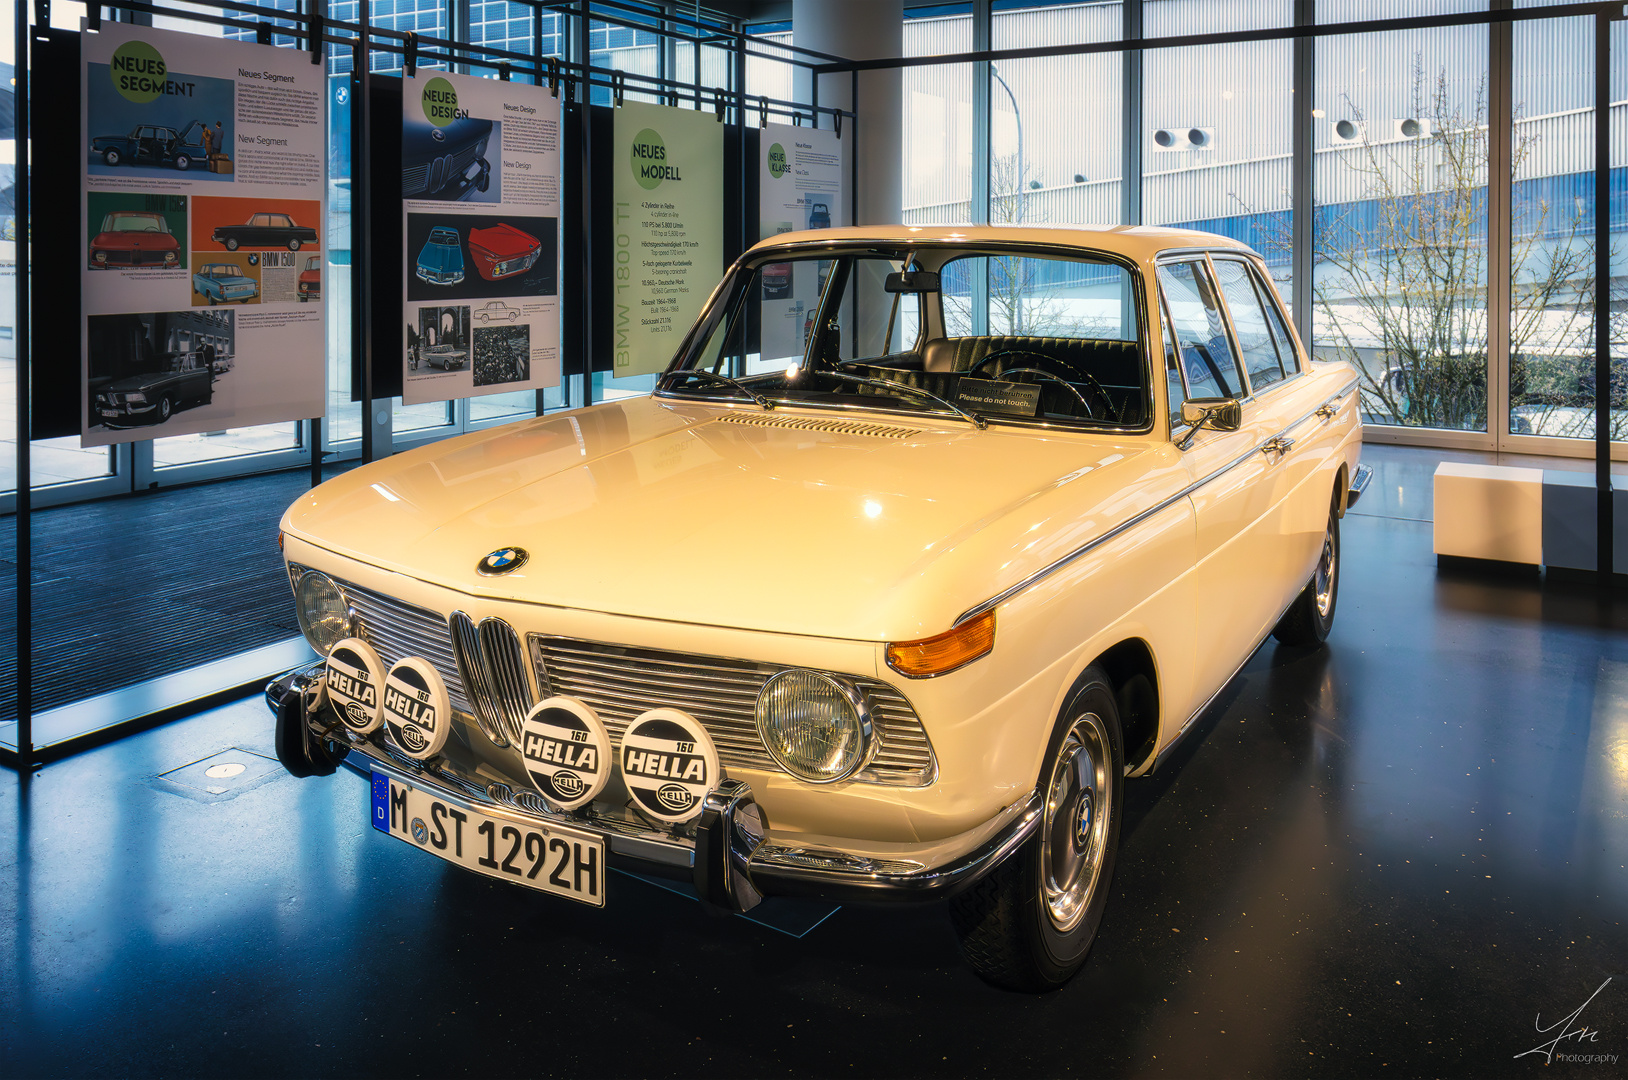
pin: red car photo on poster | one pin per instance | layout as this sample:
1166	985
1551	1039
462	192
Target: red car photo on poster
311	279
502	250
134	238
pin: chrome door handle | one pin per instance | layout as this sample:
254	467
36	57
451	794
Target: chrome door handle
1327	412
1277	444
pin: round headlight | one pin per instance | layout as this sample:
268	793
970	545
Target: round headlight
817	727
321	608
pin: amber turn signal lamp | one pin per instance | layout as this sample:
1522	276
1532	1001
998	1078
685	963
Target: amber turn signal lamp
279	540
943	652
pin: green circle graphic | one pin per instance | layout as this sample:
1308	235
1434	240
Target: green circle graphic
649	159
139	73
440	101
778	165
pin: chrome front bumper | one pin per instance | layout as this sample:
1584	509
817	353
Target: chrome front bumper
728	853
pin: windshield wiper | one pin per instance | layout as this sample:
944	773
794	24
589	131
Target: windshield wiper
725	380
973	418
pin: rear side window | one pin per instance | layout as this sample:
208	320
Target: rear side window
1200	331
1260	352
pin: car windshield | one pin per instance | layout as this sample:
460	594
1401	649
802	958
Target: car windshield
135	223
443	236
314	262
1007	333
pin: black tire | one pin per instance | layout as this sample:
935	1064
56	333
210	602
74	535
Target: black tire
166	408
111	156
1014	931
1311	616
231	244
182	162
212	300
294	245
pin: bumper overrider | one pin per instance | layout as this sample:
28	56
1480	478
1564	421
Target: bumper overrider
726	852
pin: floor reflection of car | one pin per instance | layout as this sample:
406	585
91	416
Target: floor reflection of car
152	144
311	279
502	250
224	283
265	230
446	163
134	238
495	310
776	281
186	379
441	260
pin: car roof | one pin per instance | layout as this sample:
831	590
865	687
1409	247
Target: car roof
1135	241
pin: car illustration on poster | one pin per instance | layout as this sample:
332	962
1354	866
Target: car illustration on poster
992	550
446	163
224	283
265	230
819	216
502	251
441	259
154	144
496	311
134	238
182	381
310	284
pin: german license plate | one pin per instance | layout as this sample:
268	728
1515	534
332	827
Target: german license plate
549	858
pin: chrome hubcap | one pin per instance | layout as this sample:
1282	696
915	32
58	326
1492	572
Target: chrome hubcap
1076	823
1325	575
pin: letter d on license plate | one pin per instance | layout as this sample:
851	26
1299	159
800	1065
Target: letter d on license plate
563	861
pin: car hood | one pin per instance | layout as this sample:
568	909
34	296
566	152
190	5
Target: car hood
697	514
503	239
441	257
135	239
137	382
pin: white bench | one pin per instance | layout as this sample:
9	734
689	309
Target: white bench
1539	517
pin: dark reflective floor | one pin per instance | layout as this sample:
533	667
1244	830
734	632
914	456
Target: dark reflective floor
1388	857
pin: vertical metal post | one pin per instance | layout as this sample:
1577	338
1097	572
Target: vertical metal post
25	483
1130	109
585	286
978	206
1500	150
361	224
539	402
1606	532
1302	173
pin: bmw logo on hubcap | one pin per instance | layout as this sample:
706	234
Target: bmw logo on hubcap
502	561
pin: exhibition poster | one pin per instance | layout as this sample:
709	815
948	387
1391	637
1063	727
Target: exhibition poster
800	182
669	229
203	216
480	189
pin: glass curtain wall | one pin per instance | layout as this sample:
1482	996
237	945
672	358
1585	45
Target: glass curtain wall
1216	127
938	135
1552	390
1055	123
1401	257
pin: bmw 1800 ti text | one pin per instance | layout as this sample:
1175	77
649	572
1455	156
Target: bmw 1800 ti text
891	614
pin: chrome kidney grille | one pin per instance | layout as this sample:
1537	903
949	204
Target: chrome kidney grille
484	667
619	682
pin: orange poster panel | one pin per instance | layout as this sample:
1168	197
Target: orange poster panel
256	224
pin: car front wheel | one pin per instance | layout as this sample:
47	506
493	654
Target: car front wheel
1030	922
111	156
231	245
165	408
1311	616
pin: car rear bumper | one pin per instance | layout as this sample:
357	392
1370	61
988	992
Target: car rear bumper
731	853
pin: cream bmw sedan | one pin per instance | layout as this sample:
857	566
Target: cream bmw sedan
886	614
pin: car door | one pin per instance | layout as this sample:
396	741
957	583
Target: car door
1231	493
1290	404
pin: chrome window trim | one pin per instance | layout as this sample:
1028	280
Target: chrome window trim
1091	545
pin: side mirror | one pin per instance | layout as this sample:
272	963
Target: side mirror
1217	414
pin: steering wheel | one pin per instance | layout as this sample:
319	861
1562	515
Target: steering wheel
1050	368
